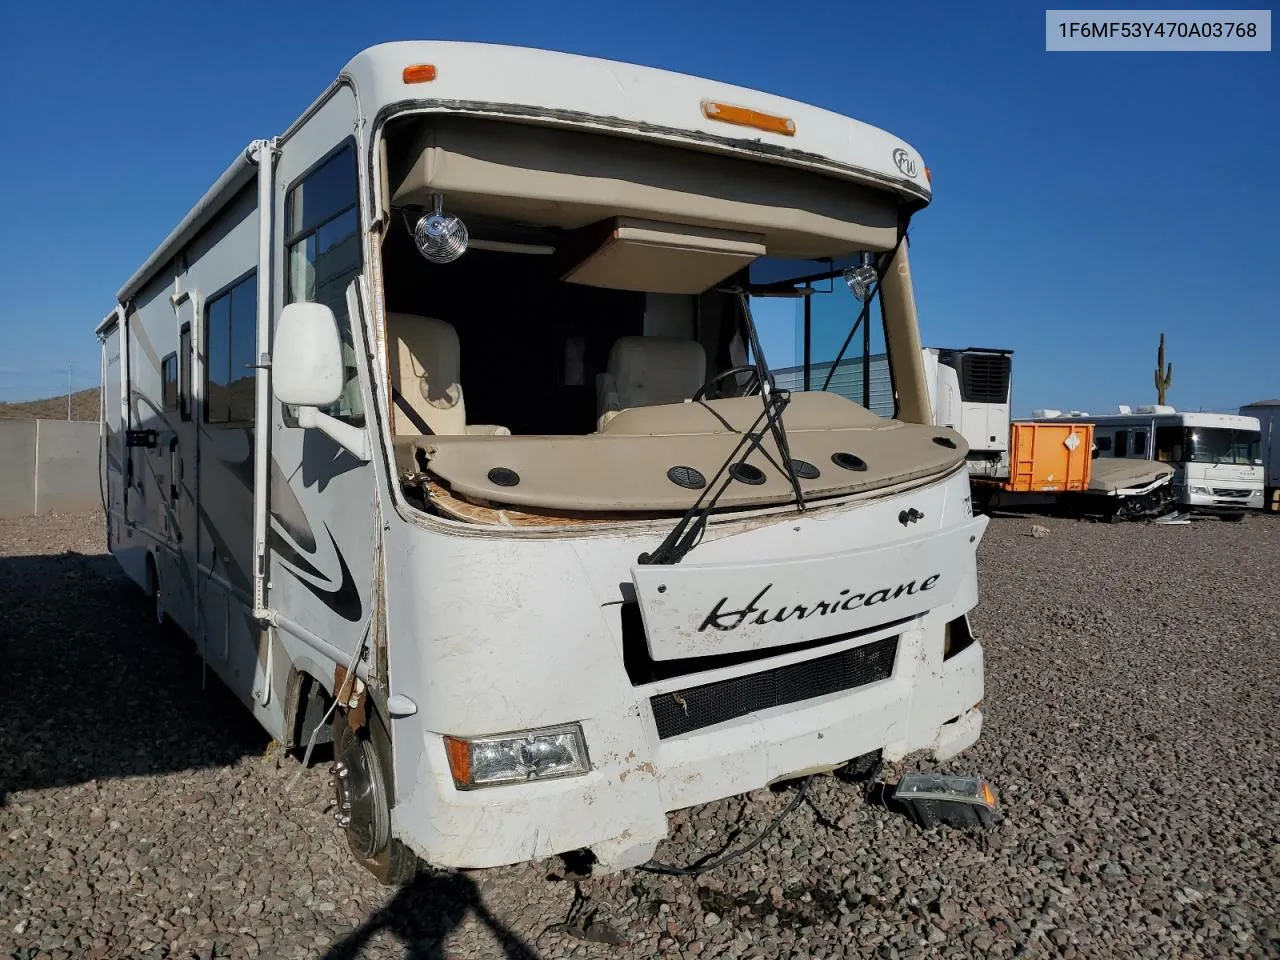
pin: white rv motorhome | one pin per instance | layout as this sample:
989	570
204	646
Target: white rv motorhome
1267	413
970	391
441	425
1215	457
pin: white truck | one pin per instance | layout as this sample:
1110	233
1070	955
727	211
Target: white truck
433	425
970	390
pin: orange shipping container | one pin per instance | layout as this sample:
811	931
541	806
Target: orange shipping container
1049	457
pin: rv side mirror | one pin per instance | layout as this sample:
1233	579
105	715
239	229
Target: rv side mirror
306	361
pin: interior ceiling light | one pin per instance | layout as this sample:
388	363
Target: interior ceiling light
862	277
440	239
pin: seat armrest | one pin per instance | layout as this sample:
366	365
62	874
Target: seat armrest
486	430
607	402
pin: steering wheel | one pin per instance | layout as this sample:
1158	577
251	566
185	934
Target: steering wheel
752	387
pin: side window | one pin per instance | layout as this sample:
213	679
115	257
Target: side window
169	382
1103	444
1122	443
322	243
1140	443
184	372
1169	444
230	330
825	339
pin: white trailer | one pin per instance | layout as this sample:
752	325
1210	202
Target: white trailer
1267	413
433	425
970	391
1216	457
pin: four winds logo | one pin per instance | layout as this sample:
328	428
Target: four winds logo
905	162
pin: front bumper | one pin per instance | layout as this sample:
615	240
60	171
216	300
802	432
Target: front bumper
619	809
1211	504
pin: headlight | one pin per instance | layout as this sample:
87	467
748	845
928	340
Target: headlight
518	757
1202	491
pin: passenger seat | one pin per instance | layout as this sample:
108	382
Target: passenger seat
426	395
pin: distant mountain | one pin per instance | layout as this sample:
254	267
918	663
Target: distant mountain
84	406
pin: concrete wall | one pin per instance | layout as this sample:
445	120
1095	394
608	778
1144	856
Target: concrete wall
48	466
67	466
17	468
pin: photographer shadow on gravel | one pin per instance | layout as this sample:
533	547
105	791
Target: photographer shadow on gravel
423	913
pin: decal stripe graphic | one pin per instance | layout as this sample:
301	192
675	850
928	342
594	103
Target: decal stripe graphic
345	600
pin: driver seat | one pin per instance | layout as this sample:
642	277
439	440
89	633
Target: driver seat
648	372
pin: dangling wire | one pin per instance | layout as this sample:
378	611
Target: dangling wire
654	866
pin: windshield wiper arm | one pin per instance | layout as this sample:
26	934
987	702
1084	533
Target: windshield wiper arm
685	534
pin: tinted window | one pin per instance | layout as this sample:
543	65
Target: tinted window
1170	444
217	359
326	192
1122	443
231	323
324	256
169	381
244	330
1103	443
1140	443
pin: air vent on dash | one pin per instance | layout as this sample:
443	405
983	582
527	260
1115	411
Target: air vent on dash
984	377
696	707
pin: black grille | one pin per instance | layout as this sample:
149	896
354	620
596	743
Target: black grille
1230	492
698	707
984	377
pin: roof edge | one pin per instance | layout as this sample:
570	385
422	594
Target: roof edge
239	173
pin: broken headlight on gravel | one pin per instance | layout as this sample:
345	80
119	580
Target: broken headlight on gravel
543	754
930	799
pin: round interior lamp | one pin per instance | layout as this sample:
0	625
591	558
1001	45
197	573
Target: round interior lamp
440	239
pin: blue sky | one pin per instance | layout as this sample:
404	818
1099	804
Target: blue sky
1083	202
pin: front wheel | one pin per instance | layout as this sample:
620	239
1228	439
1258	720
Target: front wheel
364	806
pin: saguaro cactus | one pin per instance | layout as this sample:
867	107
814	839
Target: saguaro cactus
1164	375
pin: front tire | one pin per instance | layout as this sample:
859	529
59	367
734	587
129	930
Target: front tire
360	780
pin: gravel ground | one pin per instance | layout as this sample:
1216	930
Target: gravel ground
1132	695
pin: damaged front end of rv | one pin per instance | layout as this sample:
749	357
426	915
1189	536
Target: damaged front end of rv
535	528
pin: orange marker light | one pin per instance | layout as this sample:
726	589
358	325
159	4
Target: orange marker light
459	752
988	795
746	117
419	73
928	175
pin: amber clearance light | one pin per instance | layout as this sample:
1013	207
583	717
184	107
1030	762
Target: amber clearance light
746	117
419	73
